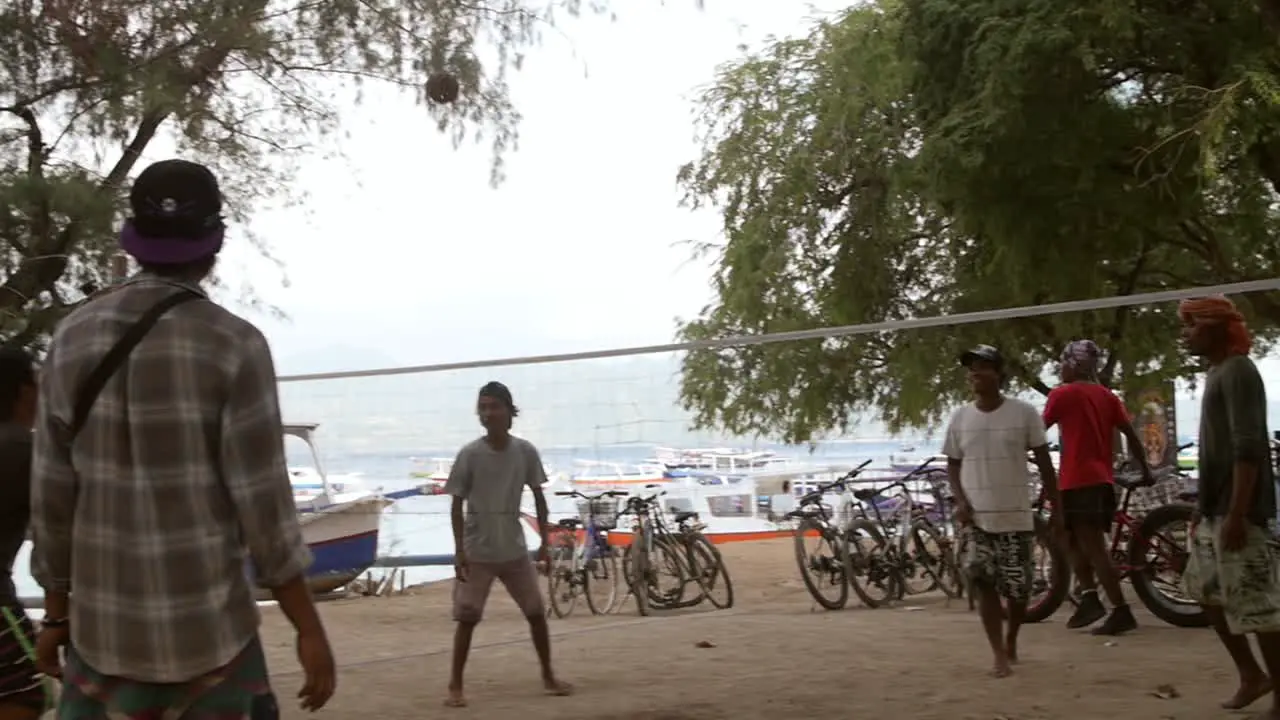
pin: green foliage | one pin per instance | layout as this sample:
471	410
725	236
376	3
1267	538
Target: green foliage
926	157
246	86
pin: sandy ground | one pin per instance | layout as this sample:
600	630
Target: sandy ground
775	656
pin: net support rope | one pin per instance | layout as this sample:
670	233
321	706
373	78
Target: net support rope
1151	298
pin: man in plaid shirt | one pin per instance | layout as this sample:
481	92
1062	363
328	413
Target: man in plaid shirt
143	508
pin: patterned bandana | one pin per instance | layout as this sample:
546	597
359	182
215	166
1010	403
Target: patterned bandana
1082	355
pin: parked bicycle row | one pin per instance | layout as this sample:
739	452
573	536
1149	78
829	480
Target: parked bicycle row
668	564
885	543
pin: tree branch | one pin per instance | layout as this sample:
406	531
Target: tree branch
1121	320
48	258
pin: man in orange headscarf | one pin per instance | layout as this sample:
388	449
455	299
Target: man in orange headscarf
1231	570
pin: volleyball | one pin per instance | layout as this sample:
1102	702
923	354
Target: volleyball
442	87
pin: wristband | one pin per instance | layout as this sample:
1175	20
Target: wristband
55	623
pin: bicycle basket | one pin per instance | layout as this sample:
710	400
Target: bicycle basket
603	511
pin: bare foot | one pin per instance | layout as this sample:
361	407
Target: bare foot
557	688
1011	650
1002	667
456	699
1249	693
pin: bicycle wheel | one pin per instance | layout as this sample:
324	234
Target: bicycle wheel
1158	554
635	563
1051	582
710	573
561	581
823	568
872	576
600	577
669	575
932	554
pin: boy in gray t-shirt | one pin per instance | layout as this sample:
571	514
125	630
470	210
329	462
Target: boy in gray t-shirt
487	480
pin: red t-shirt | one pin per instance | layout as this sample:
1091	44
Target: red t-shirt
1087	415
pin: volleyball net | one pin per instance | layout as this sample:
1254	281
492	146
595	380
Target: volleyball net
617	411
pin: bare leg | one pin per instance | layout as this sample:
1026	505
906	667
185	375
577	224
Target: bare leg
1269	644
1017	613
1079	563
461	649
992	612
541	634
1254	683
1093	545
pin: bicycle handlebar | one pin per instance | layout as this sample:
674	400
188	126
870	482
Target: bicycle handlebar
584	496
638	502
816	495
921	467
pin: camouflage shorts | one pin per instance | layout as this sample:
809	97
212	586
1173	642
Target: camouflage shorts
1002	561
1244	583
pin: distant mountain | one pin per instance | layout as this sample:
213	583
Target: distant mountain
580	404
574	404
331	358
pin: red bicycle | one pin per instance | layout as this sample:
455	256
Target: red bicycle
1146	551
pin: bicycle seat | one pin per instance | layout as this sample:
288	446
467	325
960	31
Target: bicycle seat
570	523
865	494
1130	481
685	515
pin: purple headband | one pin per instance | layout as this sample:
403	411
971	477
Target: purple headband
169	251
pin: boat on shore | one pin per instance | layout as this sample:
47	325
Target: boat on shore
343	539
341	518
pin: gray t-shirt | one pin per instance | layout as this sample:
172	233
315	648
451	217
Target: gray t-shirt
492	482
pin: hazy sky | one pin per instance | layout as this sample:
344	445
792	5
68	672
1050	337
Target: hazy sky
406	255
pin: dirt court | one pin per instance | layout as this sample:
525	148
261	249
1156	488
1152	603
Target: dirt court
775	655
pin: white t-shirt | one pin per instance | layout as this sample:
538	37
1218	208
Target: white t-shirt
992	450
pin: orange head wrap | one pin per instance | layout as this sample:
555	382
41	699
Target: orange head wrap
1218	310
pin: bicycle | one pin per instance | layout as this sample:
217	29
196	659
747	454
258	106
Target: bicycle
830	571
577	566
896	547
684	553
1133	538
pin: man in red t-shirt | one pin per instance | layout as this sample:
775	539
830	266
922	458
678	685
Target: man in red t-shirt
1087	415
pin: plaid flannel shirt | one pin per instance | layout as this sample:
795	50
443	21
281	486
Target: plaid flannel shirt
180	468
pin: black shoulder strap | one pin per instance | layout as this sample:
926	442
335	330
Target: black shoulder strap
116	356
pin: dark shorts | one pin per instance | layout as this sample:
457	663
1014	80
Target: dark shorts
1001	561
20	684
1089	507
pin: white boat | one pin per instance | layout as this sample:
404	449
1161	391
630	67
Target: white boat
597	473
434	471
724	459
753	508
343	538
340	518
312	487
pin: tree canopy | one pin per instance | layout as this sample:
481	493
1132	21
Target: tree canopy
246	86
911	158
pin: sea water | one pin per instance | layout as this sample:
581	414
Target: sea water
421	525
